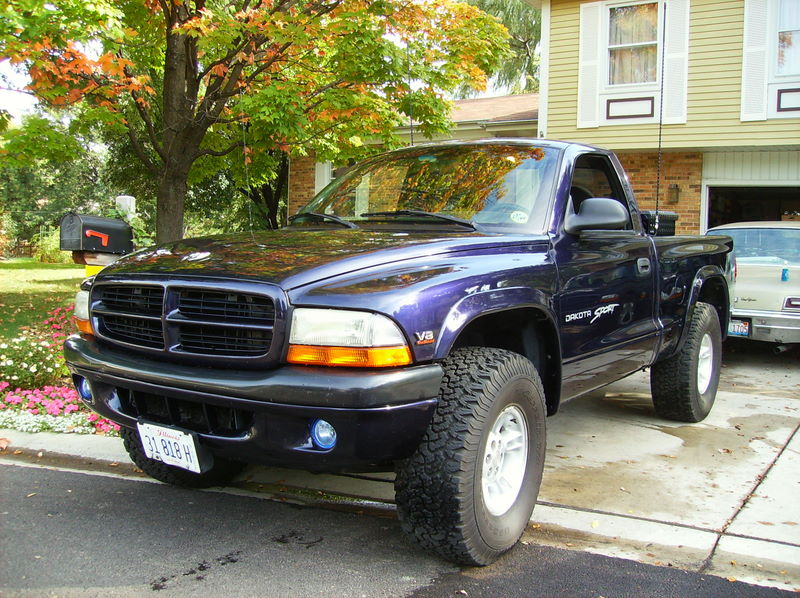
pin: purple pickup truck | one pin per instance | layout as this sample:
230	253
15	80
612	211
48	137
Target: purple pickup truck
424	314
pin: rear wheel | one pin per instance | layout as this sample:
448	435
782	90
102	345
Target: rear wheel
221	472
468	491
685	385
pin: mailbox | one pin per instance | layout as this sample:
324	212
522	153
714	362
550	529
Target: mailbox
93	234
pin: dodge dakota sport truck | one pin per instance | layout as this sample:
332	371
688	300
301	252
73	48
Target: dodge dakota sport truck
423	314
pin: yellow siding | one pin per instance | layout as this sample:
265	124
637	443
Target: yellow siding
714	92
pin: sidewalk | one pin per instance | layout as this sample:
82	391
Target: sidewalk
719	497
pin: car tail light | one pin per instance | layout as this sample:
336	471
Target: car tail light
792	303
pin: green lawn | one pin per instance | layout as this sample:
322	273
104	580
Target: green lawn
29	289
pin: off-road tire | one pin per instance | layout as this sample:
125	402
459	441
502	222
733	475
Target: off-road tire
685	385
439	489
221	472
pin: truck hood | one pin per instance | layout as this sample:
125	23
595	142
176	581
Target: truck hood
292	258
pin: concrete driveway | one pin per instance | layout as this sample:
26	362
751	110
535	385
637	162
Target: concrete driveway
719	497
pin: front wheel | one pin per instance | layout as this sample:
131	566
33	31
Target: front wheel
685	385
468	491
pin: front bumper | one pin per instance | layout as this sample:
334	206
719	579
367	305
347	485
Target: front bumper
770	326
265	416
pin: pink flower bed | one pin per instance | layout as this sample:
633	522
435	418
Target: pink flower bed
32	373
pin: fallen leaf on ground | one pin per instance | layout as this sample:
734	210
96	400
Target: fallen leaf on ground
4	442
31	494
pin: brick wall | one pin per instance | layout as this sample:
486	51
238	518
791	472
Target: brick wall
302	176
683	169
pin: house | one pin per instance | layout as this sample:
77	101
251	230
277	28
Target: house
715	84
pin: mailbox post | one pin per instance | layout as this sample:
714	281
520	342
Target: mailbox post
94	241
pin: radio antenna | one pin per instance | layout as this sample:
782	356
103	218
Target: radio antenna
660	116
410	96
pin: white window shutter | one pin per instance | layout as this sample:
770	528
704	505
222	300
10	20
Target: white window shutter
754	60
322	175
676	61
589	61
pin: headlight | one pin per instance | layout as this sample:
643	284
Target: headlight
82	318
346	338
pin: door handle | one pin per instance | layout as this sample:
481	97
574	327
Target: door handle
643	265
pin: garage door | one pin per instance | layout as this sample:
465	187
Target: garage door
744	186
739	204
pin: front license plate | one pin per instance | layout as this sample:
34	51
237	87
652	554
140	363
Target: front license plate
739	328
170	446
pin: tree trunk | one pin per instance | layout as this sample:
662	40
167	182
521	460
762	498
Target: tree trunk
267	197
169	206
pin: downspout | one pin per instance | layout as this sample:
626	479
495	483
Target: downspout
544	68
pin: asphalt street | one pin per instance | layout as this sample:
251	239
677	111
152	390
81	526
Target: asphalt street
98	534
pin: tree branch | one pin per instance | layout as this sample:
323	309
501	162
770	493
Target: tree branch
218	153
141	154
145	116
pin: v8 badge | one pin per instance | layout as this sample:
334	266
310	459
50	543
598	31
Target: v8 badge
425	337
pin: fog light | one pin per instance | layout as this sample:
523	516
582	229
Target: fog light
84	389
323	434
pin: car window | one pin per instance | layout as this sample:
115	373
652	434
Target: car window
765	245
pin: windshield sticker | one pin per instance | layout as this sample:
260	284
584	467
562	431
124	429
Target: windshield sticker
519	217
595	314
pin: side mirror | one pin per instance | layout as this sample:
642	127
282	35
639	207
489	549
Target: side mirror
596	213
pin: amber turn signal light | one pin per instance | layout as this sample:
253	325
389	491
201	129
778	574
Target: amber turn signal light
360	357
84	326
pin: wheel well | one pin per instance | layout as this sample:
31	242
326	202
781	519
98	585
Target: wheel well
525	331
715	292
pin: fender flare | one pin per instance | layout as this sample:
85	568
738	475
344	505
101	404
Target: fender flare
481	304
701	278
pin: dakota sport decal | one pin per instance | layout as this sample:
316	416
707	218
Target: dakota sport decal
594	314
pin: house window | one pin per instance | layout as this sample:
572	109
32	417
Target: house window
621	49
633	44
771	60
788	38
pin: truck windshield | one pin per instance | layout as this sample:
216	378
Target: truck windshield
485	186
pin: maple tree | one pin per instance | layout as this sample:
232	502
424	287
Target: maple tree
202	85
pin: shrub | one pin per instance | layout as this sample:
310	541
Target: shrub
34	358
47	248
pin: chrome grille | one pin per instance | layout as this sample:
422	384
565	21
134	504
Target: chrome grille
135	300
225	306
223	341
183	319
128	329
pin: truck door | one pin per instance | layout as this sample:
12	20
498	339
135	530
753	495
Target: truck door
606	288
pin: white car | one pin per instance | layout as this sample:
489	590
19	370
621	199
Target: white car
765	298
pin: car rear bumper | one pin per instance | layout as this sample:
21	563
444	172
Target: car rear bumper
770	326
265	416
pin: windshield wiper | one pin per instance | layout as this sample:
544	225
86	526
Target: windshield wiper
322	216
444	217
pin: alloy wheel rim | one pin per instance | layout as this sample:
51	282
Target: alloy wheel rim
504	460
705	364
